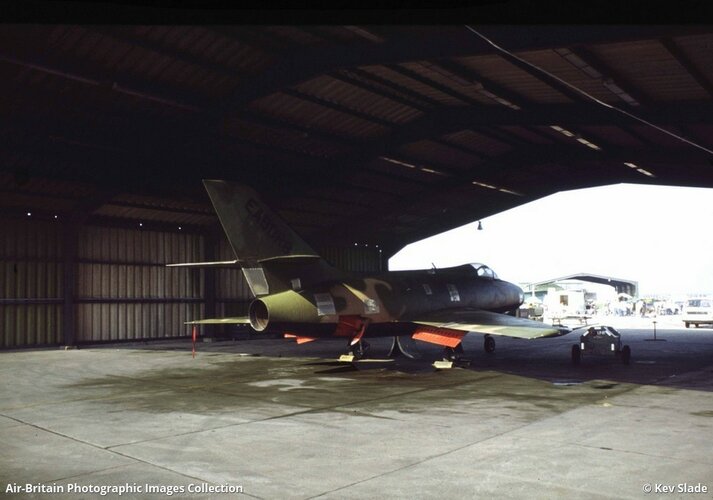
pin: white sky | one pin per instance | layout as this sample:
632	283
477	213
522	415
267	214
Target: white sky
660	236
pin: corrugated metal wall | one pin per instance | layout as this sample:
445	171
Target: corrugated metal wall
232	293
31	282
126	292
122	289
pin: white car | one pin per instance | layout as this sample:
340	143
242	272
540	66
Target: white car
698	312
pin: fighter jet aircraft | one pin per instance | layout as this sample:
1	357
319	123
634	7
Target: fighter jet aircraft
301	295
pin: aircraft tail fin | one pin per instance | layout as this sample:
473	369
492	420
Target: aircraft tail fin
254	231
273	257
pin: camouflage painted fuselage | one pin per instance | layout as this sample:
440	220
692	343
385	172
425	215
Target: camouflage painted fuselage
382	301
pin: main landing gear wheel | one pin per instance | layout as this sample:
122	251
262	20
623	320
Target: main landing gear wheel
453	353
576	354
626	355
489	343
359	350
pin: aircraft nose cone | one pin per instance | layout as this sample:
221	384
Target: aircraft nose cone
515	295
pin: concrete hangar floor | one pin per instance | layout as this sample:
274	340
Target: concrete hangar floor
284	421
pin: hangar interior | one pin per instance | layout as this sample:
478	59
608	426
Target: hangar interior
363	138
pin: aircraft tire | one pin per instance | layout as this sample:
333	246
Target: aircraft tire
453	353
449	354
576	354
489	344
688	325
626	355
359	349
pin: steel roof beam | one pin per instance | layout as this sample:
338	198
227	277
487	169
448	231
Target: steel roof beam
337	107
639	137
376	91
310	62
688	65
458	147
422	101
275	123
593	164
501	136
444	89
444	183
449	172
141	206
488	85
441	122
117	33
610	76
452	119
251	39
324	198
457	41
110	82
611	159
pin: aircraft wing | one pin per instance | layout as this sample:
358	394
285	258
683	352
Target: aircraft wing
472	320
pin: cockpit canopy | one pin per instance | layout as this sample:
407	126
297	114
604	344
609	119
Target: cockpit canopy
484	271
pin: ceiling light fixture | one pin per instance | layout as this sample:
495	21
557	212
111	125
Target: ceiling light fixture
397	162
642	171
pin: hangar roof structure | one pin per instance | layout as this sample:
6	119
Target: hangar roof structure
363	134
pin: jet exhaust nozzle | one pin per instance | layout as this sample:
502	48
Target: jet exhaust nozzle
259	315
283	307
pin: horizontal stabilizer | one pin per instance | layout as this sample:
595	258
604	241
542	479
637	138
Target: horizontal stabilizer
221	263
292	259
471	320
244	320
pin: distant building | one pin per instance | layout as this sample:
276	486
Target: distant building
581	295
620	285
